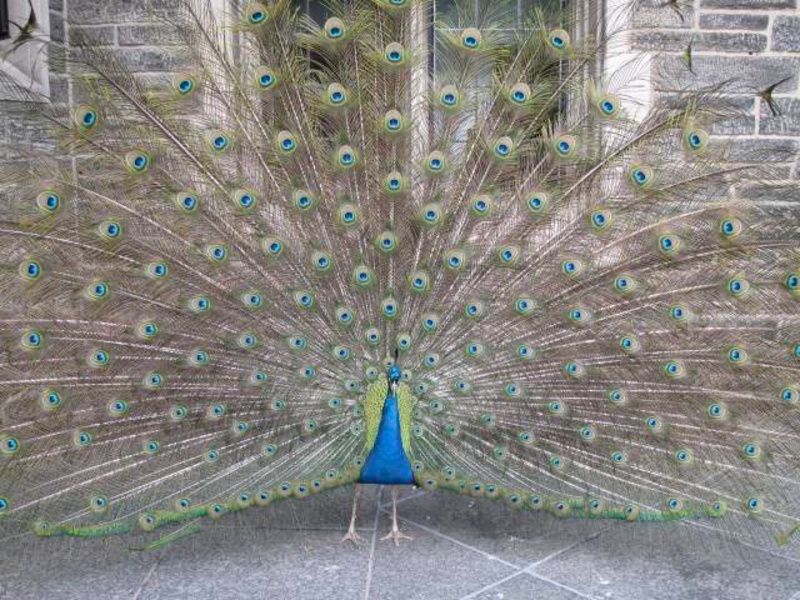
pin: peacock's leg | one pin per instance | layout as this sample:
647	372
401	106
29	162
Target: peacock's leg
395	534
351	531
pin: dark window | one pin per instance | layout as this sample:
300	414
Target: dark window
4	32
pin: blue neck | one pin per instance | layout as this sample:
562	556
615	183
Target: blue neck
387	463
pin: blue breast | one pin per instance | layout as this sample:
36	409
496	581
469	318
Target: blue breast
387	463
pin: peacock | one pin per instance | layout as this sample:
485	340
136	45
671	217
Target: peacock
344	251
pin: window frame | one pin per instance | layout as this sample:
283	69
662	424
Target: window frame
29	72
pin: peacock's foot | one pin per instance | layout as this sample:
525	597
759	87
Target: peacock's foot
397	535
353	536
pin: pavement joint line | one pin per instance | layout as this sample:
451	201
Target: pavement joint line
146	579
401	500
371	560
528	570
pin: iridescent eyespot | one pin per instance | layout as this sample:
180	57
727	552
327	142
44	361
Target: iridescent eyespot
617	396
751	451
537	202
608	105
239	427
519	93
336	94
146	330
790	394
419	281
50	399
48	202
475	309
430	214
572	267
579	315
625	284
153	381
178	412
81	439
30	269
198	358
630	344
393	183
695	140
85	117
471	38
631	512
266	78
730	228
156	270
587	433
503	148
216	253
32	339
252	299
244	199
372	336
98	504
792	282
334	28
680	313
435	162
341	352
574	369
482	205
200	304
304	299
215	411
310	372
654	424
674	369
346	157
565	146
322	261
430	322
509	255
717	411
431	360
641	176
737	287
389	307
9	445
272	246
386	242
601	218
188	202
558	39
525	352
618	457
393	121
98	358
669	244
117	408
684	456
524	305
109	230
394	54
151	447
449	97
255	13
474	349
217	141
247	340
335	403
737	355
285	142
454	260
184	84
345	315
512	390
556	463
137	161
754	505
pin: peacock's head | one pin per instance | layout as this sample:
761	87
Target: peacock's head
394	374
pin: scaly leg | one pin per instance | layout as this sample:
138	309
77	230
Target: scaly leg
395	534
351	532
